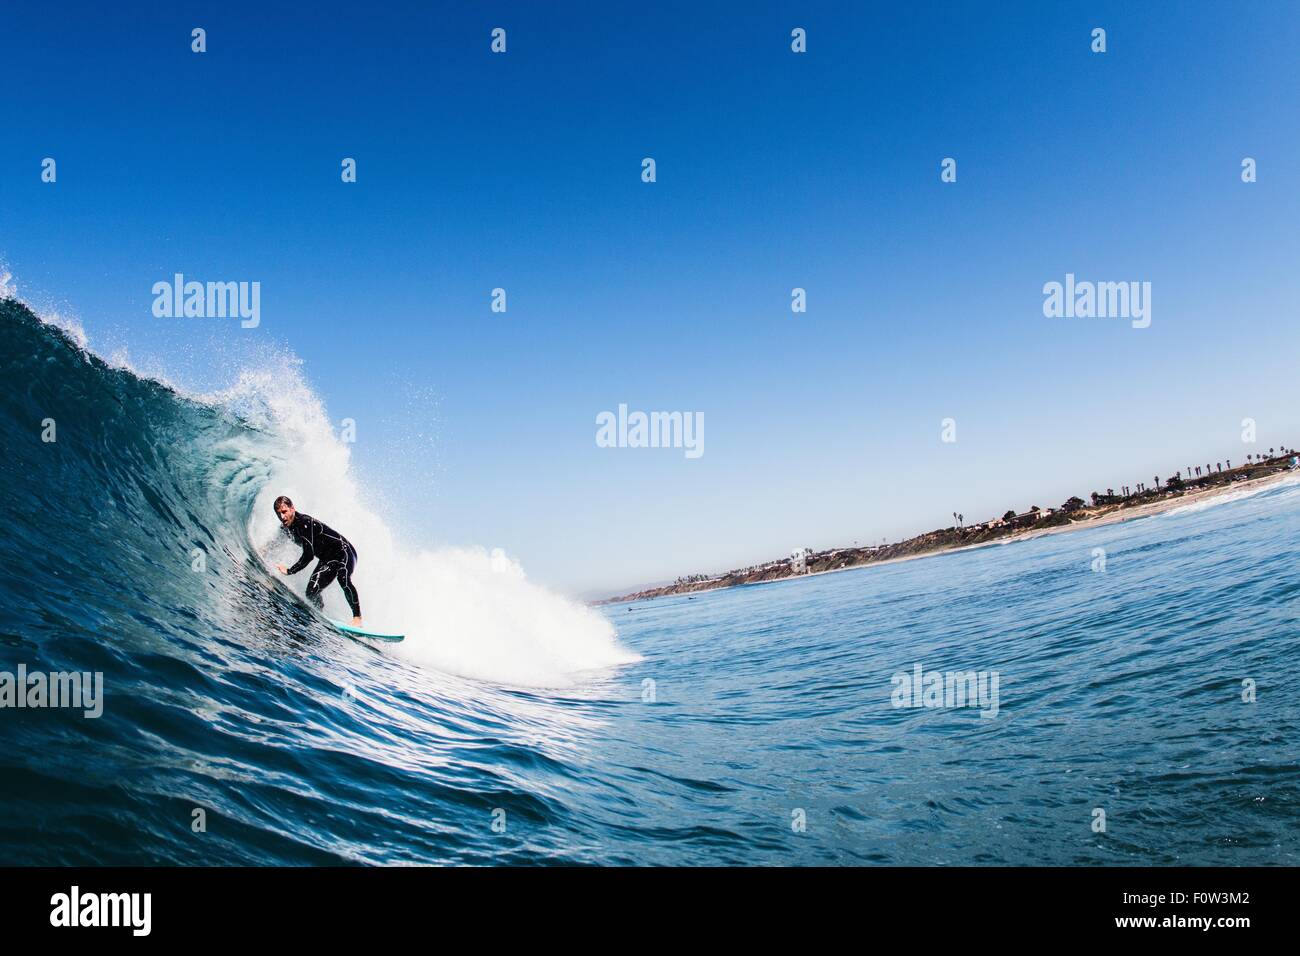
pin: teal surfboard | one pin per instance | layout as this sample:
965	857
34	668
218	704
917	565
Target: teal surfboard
358	632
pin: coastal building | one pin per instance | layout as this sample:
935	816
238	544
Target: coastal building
799	561
1028	518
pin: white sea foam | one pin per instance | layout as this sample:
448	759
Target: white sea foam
468	611
1290	482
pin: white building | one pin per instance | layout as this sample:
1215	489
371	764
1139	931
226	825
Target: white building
799	561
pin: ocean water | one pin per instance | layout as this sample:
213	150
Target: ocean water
753	726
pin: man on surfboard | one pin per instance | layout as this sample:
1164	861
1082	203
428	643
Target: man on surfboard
337	558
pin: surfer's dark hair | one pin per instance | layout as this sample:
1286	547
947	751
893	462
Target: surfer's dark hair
282	500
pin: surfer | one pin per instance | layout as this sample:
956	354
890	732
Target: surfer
337	558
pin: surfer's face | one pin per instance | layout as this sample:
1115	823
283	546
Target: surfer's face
287	514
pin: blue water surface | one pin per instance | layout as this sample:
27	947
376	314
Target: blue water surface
759	728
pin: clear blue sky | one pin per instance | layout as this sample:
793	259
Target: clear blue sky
775	170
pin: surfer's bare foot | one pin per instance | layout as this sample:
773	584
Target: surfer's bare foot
356	622
282	569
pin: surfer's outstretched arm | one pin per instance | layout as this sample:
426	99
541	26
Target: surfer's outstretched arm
302	562
304	538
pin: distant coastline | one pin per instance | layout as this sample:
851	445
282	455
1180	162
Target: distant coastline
1108	508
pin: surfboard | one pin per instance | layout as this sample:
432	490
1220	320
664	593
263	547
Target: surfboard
359	632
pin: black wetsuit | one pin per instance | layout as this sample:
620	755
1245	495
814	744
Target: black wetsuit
336	555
